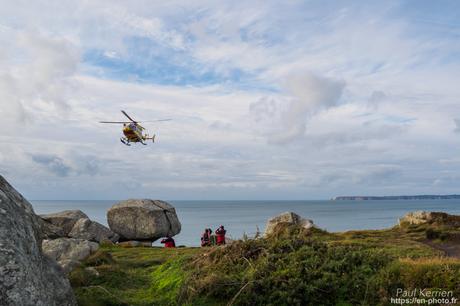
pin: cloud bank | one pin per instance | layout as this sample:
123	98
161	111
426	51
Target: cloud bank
273	101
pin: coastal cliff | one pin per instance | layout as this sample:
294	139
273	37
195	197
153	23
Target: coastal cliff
401	197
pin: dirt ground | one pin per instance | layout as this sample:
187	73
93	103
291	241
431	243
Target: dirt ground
450	248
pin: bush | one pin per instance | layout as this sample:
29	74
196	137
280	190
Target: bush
288	268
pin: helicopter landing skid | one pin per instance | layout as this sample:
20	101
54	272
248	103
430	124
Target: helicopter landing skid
124	141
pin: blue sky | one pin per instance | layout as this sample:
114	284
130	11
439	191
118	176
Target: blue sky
269	100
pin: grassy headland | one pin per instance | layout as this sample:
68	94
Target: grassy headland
292	267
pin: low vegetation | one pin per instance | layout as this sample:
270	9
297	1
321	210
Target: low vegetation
131	276
292	267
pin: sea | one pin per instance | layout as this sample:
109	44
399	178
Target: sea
242	218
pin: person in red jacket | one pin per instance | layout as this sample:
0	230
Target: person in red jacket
169	242
220	235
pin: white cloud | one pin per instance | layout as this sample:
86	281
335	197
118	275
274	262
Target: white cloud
36	76
308	95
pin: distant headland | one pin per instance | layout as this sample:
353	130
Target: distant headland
402	197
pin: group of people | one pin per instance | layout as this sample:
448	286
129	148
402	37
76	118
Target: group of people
207	238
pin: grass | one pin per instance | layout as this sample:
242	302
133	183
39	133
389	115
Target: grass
430	273
396	241
131	276
294	266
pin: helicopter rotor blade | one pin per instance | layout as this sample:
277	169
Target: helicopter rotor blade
124	113
126	122
156	120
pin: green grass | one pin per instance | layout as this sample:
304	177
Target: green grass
396	241
294	267
131	276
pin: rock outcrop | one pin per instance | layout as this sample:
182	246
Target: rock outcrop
85	234
422	217
27	276
287	218
91	230
143	220
49	230
68	252
65	219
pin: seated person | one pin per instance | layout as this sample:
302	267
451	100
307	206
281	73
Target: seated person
206	238
169	242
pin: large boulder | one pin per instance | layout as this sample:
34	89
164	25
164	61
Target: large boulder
93	231
68	252
287	218
65	219
27	276
143	220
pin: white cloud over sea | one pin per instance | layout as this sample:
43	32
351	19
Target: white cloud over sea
269	100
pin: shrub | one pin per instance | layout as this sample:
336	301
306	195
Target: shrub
290	267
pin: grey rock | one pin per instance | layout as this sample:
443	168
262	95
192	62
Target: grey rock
65	219
289	218
50	231
416	217
68	252
430	217
143	220
27	276
93	231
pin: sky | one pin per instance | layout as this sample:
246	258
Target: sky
269	99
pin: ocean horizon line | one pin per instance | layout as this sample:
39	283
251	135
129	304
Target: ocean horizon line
189	200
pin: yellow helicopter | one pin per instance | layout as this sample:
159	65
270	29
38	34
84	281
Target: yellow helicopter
133	131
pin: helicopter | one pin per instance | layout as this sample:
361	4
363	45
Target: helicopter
133	131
